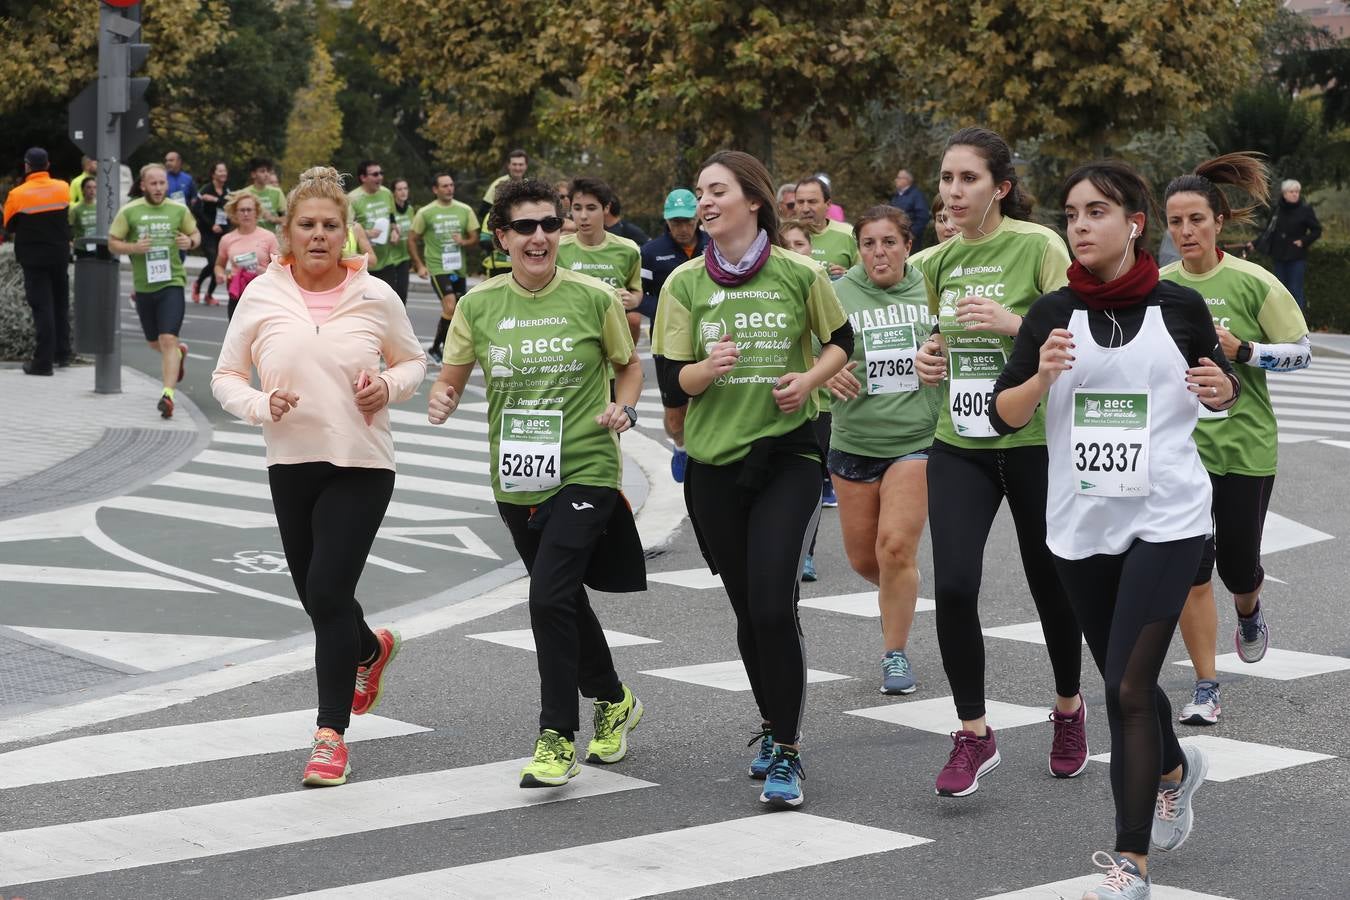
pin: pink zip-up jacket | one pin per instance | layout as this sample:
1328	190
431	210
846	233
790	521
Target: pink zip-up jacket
272	331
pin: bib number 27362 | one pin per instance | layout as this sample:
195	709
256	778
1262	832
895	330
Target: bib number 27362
530	450
972	390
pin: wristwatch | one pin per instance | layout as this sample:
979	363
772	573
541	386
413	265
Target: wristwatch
632	415
1244	352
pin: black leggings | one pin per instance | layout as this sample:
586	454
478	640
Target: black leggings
822	426
757	540
210	246
1239	514
1129	606
328	516
556	541
965	488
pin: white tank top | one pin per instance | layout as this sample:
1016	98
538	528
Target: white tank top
1123	466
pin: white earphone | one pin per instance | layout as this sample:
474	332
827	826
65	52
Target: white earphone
1134	229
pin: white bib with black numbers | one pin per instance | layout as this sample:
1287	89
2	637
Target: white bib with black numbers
530	450
1122	463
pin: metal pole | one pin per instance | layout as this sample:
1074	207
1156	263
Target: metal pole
108	366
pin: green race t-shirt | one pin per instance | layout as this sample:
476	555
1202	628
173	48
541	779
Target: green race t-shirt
490	195
616	260
543	356
373	210
162	265
437	224
772	318
272	201
893	415
399	252
1014	264
1251	303
834	246
83	222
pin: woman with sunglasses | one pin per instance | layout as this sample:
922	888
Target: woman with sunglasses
546	339
735	328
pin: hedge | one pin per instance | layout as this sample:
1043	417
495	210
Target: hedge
1326	285
16	319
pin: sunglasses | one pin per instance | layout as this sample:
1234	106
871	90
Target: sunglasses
790	205
526	227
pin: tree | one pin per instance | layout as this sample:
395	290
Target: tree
314	130
1083	77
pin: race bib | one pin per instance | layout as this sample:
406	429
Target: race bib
379	232
177	195
221	219
1109	441
157	268
973	373
247	260
452	260
530	450
889	353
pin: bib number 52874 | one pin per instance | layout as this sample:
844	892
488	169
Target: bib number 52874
530	450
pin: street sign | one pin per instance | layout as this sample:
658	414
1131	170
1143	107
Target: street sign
82	120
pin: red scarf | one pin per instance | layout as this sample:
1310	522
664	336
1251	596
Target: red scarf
1118	293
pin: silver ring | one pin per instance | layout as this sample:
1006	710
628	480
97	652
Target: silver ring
1214	392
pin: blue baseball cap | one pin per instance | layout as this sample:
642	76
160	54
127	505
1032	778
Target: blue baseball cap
680	204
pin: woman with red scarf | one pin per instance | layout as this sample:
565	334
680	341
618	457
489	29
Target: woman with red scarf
735	328
1122	362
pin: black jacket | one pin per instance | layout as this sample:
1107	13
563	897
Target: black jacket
915	205
660	257
1293	222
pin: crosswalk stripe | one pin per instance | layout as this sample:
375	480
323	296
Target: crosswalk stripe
659	863
99	755
421	460
210	484
1312	413
1076	887
419	420
194	512
435	486
145	651
75	849
1311	378
400	437
1304	425
1321	402
102	578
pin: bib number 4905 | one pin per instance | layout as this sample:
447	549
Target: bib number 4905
971	404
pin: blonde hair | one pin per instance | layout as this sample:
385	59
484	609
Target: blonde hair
232	204
150	167
317	183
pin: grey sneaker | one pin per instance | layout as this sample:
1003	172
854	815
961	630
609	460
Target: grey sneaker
1204	707
1252	637
896	675
1122	882
1174	812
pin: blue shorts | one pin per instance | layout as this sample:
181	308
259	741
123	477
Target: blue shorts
161	312
866	469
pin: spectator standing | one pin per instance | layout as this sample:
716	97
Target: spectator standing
36	212
88	169
212	222
1293	228
182	187
911	201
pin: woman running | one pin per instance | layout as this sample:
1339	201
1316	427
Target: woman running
244	253
735	328
1120	362
546	338
1260	327
986	279
883	427
316	327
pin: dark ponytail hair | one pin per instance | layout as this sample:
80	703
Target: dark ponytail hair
997	155
1118	181
1244	170
755	183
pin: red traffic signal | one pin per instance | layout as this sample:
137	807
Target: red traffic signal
123	3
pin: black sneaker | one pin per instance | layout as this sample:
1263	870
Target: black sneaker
31	368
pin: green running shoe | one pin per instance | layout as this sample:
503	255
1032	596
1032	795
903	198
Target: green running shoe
554	763
613	721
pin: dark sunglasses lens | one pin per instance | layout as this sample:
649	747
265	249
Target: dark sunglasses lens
790	205
550	224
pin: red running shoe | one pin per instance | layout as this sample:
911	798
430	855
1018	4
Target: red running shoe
370	679
165	406
1069	750
971	757
328	765
182	361
196	293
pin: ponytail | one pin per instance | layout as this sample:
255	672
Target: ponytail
997	155
1245	171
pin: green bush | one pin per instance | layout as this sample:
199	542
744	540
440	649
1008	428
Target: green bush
16	319
1326	285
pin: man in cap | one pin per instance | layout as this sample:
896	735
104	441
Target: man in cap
683	241
36	211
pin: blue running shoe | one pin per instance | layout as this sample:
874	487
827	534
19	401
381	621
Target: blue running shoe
827	496
896	675
783	782
809	568
759	766
678	459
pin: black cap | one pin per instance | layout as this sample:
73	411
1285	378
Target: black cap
36	158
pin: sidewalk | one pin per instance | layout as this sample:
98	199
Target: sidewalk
65	445
1329	343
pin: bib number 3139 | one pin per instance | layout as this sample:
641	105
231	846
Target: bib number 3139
530	450
1109	443
972	390
157	266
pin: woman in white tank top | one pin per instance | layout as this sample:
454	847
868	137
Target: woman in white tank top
1123	362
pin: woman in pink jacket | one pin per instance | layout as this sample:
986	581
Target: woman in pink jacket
316	327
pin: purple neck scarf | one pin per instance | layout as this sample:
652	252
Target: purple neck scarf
730	275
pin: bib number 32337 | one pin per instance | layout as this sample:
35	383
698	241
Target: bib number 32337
1109	443
972	390
530	450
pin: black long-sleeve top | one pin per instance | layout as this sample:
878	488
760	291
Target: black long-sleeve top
1184	314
